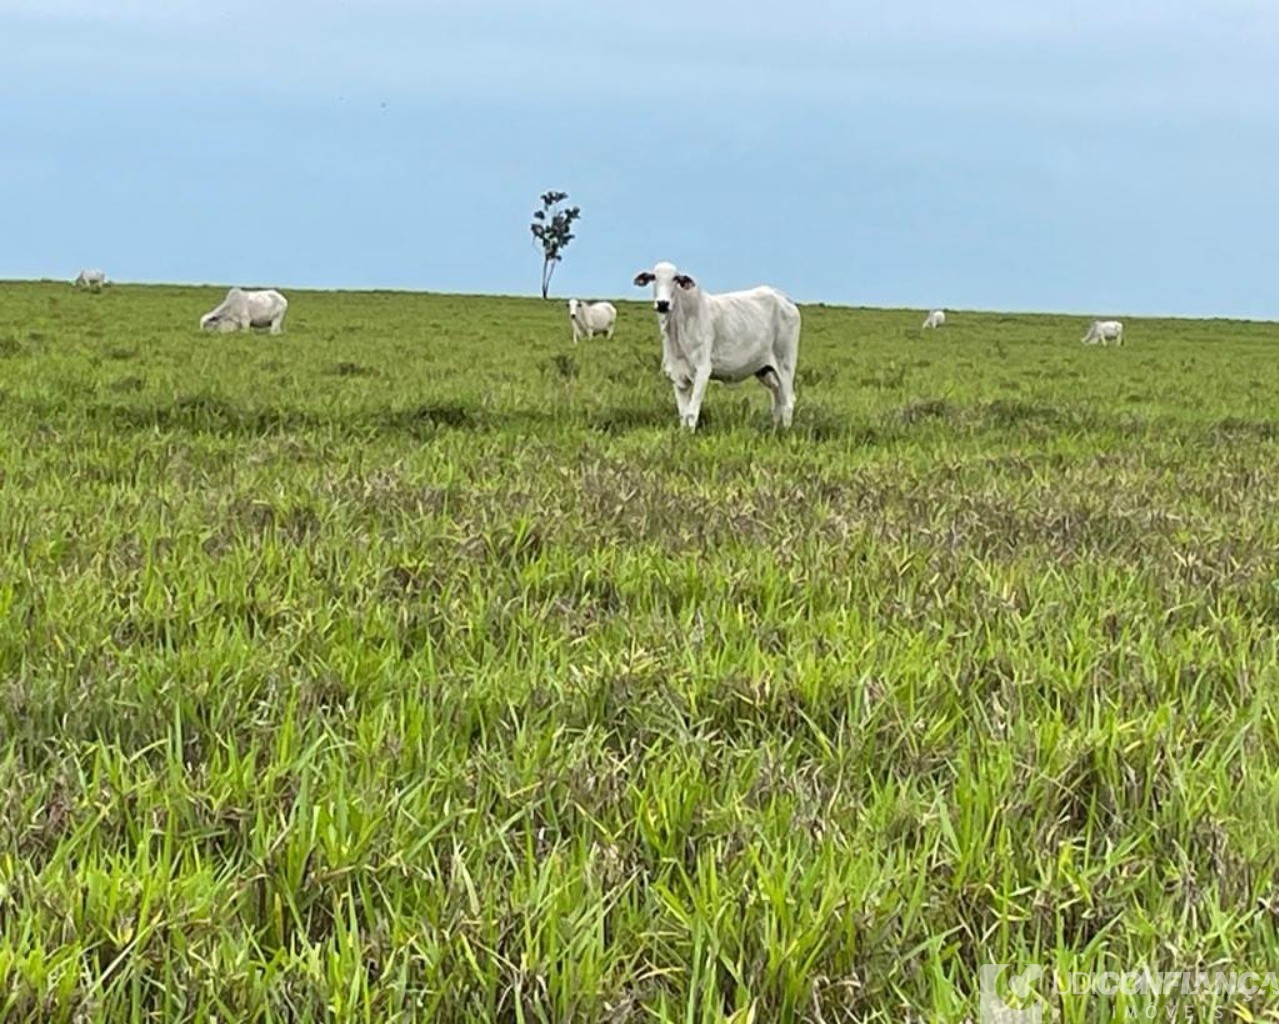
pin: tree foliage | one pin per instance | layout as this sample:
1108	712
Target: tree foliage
552	228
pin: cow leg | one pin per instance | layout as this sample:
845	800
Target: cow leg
784	407
781	384
683	394
694	409
768	377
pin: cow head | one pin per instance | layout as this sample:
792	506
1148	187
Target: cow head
664	278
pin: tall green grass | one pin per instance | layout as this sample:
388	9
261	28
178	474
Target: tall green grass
414	666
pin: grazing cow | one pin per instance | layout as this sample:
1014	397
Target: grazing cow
726	337
241	310
1104	331
91	279
591	318
934	319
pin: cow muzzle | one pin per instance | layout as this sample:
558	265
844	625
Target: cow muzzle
662	306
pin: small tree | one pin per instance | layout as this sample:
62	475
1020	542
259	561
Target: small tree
552	227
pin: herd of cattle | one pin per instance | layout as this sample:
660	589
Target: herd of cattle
726	337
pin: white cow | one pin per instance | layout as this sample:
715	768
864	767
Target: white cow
591	318
1104	331
241	310
934	319
726	337
91	279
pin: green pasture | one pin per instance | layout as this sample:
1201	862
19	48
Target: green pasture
413	665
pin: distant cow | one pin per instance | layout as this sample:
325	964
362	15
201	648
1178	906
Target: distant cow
934	319
591	318
1104	331
241	310
91	279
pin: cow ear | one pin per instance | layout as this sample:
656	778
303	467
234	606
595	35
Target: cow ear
684	281
643	277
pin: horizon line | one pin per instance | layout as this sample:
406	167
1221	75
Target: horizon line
535	296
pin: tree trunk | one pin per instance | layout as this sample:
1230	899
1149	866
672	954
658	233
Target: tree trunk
548	268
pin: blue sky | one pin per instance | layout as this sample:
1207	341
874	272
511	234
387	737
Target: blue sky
1091	156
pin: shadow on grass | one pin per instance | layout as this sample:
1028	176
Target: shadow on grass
626	418
348	369
428	417
927	409
816	425
210	413
1005	412
213	414
1236	427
